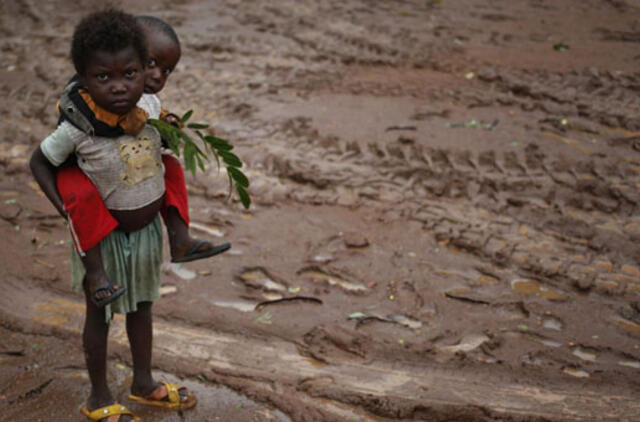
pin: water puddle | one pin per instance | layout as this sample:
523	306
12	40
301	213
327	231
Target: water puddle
552	323
585	353
467	343
260	279
237	305
533	288
335	281
578	373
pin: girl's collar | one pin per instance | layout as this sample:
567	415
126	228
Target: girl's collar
131	123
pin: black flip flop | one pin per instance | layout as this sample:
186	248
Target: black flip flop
194	254
109	299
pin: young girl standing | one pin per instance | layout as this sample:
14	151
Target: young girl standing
89	219
109	53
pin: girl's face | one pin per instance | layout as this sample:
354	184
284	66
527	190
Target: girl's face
164	54
115	80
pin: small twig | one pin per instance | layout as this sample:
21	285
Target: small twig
261	305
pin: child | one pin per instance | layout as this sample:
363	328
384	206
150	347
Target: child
109	53
89	220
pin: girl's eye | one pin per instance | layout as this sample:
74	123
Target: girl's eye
103	77
152	63
130	73
167	71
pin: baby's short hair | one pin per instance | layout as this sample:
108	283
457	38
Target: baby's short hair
107	30
159	25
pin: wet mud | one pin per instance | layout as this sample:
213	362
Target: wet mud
445	221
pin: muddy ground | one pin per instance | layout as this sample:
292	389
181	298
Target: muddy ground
445	220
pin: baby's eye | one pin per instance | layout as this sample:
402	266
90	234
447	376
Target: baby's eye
102	77
167	72
152	63
130	73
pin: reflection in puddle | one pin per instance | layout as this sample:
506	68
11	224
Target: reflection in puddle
552	323
629	326
259	279
168	289
630	363
406	321
334	281
323	257
550	343
585	353
178	270
212	230
530	287
534	337
578	373
487	280
467	344
238	305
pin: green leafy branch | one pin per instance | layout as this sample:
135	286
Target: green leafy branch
181	143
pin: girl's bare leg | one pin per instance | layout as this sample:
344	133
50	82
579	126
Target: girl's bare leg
140	333
94	342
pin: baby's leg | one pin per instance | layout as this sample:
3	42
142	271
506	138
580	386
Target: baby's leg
175	212
89	223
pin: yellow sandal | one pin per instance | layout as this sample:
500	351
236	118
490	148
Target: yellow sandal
115	409
167	396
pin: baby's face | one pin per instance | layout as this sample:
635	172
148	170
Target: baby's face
164	54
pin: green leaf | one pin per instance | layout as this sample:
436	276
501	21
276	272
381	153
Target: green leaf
218	143
230	158
560	46
200	162
238	176
186	116
244	196
230	185
197	126
189	157
181	143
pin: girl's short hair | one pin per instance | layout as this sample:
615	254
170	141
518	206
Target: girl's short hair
107	30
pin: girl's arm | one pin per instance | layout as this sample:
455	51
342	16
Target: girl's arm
45	174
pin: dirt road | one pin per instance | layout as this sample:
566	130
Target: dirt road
445	222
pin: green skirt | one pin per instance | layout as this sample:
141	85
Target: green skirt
131	260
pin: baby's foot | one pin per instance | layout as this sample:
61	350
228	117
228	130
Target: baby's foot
102	290
191	249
